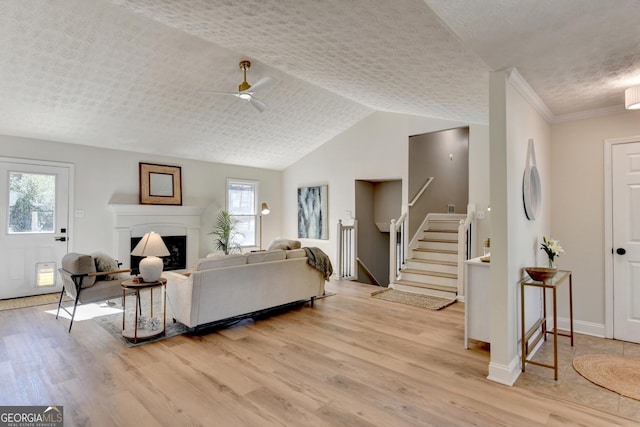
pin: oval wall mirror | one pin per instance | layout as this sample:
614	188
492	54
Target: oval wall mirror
531	189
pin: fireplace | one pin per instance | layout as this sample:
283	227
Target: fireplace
177	259
131	222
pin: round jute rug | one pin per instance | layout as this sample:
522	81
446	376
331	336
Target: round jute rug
616	373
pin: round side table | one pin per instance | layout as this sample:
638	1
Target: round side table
136	331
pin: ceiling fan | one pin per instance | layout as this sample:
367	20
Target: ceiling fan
246	91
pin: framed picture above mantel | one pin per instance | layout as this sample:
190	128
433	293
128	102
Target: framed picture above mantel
160	184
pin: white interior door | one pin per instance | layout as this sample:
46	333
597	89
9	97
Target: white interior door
625	160
34	220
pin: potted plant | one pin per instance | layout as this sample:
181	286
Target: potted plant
226	233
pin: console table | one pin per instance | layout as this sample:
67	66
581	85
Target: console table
561	277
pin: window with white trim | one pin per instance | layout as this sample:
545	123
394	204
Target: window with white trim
242	204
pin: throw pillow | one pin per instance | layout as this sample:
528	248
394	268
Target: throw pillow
284	244
105	263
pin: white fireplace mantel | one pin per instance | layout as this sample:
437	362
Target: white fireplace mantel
136	220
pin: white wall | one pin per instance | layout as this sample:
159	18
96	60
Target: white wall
515	240
375	148
577	160
109	176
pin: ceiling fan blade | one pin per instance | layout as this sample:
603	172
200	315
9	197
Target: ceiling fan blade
261	84
213	92
260	106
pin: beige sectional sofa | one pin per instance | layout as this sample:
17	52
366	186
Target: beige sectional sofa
236	286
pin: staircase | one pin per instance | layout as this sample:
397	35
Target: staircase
432	265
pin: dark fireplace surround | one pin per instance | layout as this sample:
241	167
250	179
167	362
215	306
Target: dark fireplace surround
177	259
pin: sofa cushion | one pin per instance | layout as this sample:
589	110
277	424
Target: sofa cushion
218	261
284	244
296	253
277	255
76	263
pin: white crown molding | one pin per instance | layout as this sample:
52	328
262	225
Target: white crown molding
589	114
521	85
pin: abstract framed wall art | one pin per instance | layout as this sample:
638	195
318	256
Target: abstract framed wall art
313	212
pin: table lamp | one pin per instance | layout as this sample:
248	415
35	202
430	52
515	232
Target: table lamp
151	247
264	210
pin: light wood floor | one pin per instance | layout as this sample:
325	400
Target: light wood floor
349	361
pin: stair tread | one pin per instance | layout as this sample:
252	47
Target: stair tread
429	273
432	230
444	217
445	288
432	261
431	240
441	251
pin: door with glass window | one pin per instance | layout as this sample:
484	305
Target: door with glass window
35	218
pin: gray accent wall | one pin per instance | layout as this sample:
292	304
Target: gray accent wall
443	155
376	202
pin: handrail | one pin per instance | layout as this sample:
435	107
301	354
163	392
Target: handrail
368	272
422	190
401	219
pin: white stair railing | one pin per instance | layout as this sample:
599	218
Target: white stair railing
464	246
347	251
398	237
397	246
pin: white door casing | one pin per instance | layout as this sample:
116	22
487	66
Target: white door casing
23	254
622	239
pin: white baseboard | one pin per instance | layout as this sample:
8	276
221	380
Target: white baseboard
580	327
505	374
508	374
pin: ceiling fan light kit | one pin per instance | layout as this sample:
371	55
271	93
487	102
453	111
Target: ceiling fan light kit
632	98
246	91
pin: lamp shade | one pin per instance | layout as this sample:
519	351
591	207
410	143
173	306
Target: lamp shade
264	210
151	246
632	98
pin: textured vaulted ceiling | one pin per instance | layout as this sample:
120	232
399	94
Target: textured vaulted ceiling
128	74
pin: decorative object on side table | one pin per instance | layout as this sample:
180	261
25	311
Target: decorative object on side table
154	323
541	274
552	248
151	247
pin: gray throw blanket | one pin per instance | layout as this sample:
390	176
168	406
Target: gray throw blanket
320	261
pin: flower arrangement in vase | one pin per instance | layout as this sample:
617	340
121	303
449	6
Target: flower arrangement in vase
552	248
